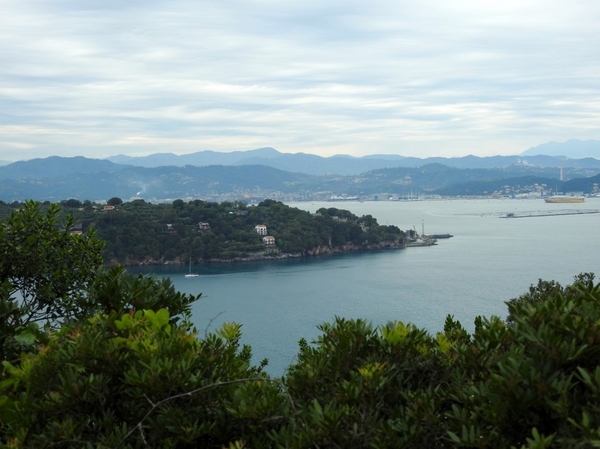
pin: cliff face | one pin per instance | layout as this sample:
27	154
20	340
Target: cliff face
272	254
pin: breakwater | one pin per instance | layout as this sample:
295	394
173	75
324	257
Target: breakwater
549	213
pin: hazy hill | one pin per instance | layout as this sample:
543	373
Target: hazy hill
575	149
200	159
342	164
296	162
160	182
56	166
487	186
484	187
431	178
581	184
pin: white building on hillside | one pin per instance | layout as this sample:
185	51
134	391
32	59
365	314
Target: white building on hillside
261	229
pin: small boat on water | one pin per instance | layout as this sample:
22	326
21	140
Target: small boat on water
190	274
564	199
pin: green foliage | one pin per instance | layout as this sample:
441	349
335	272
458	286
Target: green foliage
532	384
545	290
532	375
50	276
114	201
138	381
365	387
121	371
44	269
71	203
115	290
138	231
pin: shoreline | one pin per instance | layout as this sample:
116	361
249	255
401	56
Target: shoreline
265	255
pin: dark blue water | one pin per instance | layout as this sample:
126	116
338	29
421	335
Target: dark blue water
489	261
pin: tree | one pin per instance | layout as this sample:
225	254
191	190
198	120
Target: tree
44	269
114	201
544	291
71	203
116	290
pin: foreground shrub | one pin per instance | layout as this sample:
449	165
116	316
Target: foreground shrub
44	270
536	380
138	381
534	383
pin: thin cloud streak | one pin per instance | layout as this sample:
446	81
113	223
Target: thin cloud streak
412	78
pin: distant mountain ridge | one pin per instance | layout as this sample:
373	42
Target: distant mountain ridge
342	164
56	166
57	178
573	148
199	159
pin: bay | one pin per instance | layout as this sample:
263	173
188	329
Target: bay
489	260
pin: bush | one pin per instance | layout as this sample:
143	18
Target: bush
138	381
532	384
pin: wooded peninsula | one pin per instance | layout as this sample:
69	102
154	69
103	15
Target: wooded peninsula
142	233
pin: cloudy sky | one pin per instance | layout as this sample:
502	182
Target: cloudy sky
416	78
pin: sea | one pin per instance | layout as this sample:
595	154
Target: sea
489	260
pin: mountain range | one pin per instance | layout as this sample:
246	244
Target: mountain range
348	165
266	172
57	178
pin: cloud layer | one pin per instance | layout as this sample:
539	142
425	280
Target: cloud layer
413	78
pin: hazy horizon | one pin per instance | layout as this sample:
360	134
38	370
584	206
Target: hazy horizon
421	79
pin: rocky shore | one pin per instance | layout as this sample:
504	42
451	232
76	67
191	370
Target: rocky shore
271	254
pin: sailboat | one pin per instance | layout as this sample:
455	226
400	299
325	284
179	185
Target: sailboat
190	274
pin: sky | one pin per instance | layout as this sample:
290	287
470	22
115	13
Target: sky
415	78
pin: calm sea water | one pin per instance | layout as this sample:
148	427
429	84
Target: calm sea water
488	261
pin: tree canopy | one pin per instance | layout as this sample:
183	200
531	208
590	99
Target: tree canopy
44	268
141	232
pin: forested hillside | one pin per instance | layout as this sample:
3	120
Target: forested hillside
139	232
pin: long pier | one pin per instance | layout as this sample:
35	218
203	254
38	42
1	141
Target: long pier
549	213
